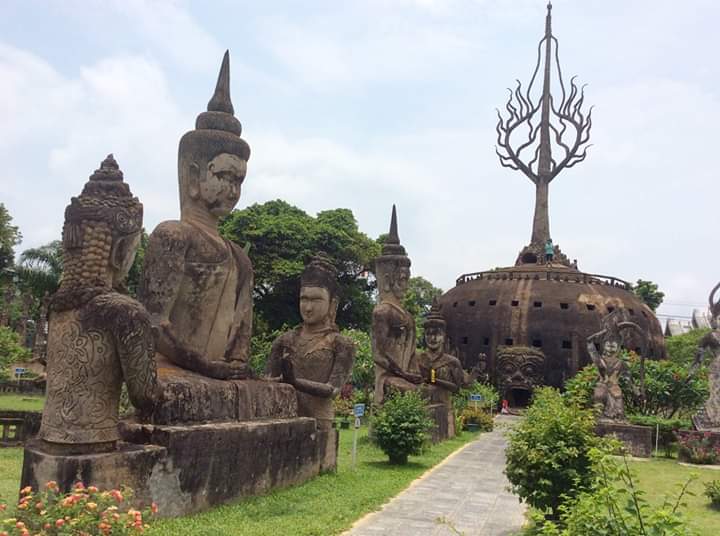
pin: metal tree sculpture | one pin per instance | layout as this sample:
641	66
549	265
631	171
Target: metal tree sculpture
563	126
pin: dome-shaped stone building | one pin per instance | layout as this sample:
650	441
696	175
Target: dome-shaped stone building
527	325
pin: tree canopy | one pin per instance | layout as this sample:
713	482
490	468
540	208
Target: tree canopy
9	238
648	292
282	237
418	300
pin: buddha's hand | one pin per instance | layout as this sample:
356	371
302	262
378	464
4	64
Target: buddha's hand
413	378
226	370
288	370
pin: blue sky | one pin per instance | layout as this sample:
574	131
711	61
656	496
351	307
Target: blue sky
362	104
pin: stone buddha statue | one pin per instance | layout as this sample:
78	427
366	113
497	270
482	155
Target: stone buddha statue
196	285
442	373
98	338
314	357
393	328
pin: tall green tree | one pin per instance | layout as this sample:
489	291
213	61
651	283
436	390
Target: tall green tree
282	237
40	269
648	292
418	300
9	238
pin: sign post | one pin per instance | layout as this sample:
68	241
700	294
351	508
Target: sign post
358	411
19	371
475	398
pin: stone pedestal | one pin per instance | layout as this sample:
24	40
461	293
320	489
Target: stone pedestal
444	422
637	439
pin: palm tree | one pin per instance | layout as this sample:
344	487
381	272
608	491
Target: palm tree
40	269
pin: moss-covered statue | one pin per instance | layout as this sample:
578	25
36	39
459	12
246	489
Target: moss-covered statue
98	337
608	394
708	418
197	286
393	328
314	357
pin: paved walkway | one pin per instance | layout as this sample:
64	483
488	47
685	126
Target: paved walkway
466	494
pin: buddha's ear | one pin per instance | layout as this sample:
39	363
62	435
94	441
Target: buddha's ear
333	308
194	180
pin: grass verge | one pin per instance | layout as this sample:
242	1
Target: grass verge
21	402
10	468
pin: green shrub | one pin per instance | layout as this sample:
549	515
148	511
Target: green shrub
11	351
579	389
613	506
712	492
698	447
490	397
87	511
363	371
681	349
473	415
401	426
548	460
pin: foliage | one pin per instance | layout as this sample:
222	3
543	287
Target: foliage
401	426
648	292
418	300
480	417
548	456
282	237
363	371
681	349
86	511
666	428
11	351
712	492
9	238
671	388
135	274
579	389
260	346
489	393
615	506
40	269
698	447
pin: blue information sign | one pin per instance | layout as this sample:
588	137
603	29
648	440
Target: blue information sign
476	398
359	410
19	371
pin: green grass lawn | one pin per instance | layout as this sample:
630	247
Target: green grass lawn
661	477
21	402
325	505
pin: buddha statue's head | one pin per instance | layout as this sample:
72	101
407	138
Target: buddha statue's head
101	232
392	268
319	293
212	159
434	327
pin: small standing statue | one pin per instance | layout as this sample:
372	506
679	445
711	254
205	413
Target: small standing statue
611	367
197	286
709	415
98	338
314	357
393	328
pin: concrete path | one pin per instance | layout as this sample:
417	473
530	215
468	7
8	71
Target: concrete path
466	494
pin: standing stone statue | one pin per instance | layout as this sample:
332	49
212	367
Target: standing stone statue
97	337
196	285
314	357
709	415
608	393
393	328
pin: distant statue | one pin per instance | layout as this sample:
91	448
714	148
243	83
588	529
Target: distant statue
709	415
519	371
196	285
611	367
314	357
549	251
393	328
98	338
442	373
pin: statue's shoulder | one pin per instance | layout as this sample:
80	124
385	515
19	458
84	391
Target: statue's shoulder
117	313
170	235
341	342
454	361
242	258
385	309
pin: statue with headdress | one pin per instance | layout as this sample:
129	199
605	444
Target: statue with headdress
611	367
709	415
196	285
314	357
98	337
442	373
393	328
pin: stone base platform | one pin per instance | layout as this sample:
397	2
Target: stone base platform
637	439
190	468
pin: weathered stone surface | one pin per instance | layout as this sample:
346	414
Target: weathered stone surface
25	424
708	418
196	285
520	369
189	397
443	418
393	328
98	339
637	439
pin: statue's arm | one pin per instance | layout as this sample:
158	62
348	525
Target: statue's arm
137	359
383	342
592	350
273	370
238	346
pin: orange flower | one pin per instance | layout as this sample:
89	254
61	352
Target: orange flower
46	526
26	490
59	523
92	489
19	525
3	506
115	494
79	486
52	485
91	506
23	506
39	505
154	508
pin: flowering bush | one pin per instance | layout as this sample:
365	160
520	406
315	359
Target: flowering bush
480	417
83	511
699	447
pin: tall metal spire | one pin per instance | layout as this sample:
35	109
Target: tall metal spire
563	129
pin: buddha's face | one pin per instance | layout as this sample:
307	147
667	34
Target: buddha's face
219	188
123	255
315	305
399	281
435	338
